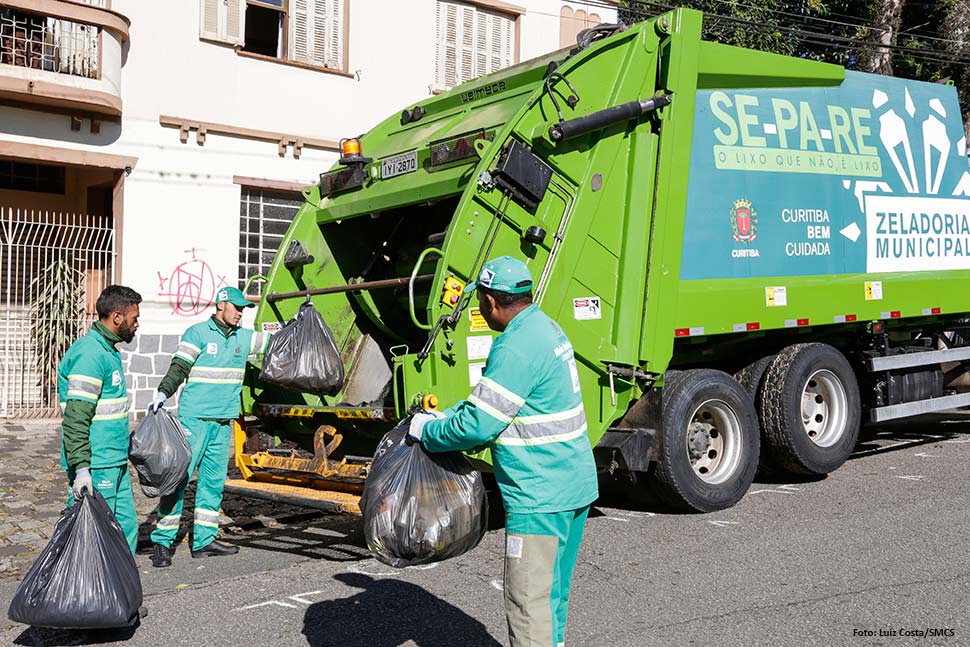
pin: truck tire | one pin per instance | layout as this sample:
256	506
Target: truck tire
751	377
708	448
810	409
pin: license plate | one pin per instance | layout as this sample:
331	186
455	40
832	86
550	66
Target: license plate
399	165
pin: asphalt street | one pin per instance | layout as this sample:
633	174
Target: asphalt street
874	554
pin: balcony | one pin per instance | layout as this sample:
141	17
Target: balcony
62	55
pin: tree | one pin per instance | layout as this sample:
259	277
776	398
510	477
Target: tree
886	26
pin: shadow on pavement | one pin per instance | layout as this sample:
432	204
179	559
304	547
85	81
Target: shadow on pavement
43	637
387	613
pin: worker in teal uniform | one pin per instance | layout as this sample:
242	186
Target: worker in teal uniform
211	360
93	396
527	408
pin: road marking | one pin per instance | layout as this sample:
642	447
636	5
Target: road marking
263	604
925	455
957	442
635	513
299	597
719	523
910	477
781	489
497	585
617	519
362	569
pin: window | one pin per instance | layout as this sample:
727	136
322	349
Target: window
31	177
264	217
471	42
572	22
306	31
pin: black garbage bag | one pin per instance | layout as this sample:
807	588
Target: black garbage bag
159	450
303	356
86	578
421	507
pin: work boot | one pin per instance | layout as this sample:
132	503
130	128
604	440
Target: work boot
215	549
161	556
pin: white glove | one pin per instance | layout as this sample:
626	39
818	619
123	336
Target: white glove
437	414
157	402
418	421
82	481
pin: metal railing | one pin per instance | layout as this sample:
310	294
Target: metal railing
50	44
53	266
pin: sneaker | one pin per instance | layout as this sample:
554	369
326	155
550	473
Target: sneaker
161	556
215	549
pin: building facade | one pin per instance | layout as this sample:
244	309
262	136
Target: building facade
164	145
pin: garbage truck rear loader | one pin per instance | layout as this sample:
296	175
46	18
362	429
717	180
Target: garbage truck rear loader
751	254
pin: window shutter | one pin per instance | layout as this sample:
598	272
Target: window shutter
482	33
447	45
209	19
466	68
223	20
235	17
335	35
300	30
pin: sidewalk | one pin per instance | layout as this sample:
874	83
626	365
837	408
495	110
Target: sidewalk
33	492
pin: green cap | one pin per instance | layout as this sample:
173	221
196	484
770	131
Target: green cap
503	274
233	296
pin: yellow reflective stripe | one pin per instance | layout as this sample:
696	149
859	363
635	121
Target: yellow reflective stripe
169	522
191	346
544	440
212	380
549	417
182	355
113	400
82	395
501	390
112	416
84	378
208	518
489	409
216	369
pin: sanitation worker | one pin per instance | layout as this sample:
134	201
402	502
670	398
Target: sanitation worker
528	409
211	360
94	397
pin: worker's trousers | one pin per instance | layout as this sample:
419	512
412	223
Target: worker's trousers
209	441
114	484
540	555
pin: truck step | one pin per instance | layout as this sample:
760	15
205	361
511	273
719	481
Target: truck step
329	500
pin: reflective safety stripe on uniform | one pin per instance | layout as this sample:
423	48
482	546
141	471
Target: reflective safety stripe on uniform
545	428
111	409
188	352
83	387
209	441
495	400
213	375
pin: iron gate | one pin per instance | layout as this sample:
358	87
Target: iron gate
53	266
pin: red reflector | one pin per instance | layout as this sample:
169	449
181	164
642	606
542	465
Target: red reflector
935	311
682	332
803	322
754	326
850	317
894	314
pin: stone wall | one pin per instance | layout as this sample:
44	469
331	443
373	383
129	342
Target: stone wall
146	361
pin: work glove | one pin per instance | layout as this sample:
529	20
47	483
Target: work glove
157	402
418	421
82	481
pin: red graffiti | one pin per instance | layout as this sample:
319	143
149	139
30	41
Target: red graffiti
191	286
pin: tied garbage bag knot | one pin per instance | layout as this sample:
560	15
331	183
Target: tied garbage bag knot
86	577
420	507
159	450
303	357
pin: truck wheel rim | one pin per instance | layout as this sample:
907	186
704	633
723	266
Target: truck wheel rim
714	441
824	408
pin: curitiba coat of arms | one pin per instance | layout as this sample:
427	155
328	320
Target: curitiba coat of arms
744	221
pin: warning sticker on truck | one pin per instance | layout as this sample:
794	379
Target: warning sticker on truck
776	296
873	290
478	321
586	308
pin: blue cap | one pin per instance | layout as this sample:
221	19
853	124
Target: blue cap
503	274
233	296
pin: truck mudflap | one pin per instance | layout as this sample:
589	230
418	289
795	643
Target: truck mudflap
286	477
627	449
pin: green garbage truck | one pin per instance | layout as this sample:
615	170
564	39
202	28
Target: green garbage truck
752	255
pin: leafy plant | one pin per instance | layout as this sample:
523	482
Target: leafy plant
57	316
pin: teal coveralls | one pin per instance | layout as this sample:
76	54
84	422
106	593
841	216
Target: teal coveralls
208	404
528	409
91	374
